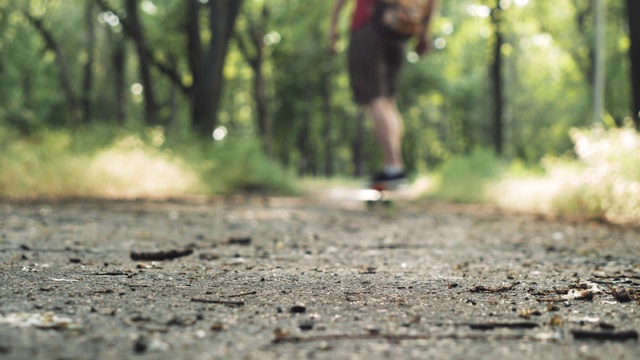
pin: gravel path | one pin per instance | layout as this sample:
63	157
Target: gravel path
303	278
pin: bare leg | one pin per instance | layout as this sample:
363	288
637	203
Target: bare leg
388	127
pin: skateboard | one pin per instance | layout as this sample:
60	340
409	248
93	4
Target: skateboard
380	193
373	194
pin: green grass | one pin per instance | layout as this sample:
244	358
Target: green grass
105	162
464	178
601	182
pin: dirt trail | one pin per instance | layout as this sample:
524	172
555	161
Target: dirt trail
300	278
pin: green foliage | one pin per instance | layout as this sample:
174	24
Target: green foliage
240	165
36	165
602	182
100	162
464	178
605	183
445	99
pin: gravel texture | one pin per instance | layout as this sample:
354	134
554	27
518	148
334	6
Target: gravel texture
308	278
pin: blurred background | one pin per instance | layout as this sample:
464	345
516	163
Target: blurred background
527	104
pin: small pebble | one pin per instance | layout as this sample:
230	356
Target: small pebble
298	309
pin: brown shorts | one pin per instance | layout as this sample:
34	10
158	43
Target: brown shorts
374	64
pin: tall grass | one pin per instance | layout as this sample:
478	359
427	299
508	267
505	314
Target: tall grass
601	182
105	162
464	178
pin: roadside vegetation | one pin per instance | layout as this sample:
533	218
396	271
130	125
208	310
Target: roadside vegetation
599	179
147	98
101	162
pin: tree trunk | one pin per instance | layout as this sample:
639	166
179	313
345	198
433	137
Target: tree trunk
194	41
120	79
87	81
118	61
209	85
73	107
633	11
327	132
496	79
135	27
584	10
306	163
264	120
206	65
171	122
599	65
255	59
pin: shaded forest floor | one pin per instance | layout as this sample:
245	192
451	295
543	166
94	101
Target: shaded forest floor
291	278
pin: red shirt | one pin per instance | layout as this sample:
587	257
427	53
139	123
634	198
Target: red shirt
362	14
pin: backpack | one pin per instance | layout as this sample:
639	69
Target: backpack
402	19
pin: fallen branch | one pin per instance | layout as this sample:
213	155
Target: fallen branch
357	293
573	294
160	255
617	276
605	335
553	300
283	337
481	288
243	294
113	273
511	325
245	241
220	302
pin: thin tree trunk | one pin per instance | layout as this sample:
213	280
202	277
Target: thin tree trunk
151	107
194	41
260	82
118	60
584	10
209	86
172	119
599	83
305	165
256	34
73	107
327	132
87	82
633	11
496	78
264	120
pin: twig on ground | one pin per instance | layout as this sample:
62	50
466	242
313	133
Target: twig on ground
113	273
481	288
510	325
553	300
221	302
245	241
243	294
283	337
160	255
605	335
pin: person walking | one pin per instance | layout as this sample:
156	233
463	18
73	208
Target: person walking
375	57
